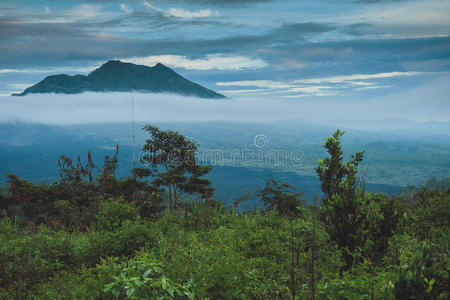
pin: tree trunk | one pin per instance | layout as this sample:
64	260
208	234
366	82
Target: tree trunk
313	260
170	197
292	261
174	196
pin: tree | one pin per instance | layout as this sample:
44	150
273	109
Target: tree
342	204
281	197
313	249
171	162
338	177
357	221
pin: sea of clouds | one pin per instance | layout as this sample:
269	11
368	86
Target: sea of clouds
423	104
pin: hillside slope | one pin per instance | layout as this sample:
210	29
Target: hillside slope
116	76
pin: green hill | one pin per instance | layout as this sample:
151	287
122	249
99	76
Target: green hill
116	76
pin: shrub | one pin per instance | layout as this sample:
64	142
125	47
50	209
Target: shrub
125	241
142	277
113	213
423	277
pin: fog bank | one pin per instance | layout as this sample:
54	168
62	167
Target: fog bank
423	104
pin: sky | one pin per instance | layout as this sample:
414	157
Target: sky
395	53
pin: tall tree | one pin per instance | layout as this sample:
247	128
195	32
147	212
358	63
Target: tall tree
281	196
341	209
357	221
337	176
172	162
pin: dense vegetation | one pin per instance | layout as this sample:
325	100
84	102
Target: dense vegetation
161	234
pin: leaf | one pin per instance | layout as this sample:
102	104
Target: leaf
107	288
164	283
430	286
130	292
146	273
115	292
170	290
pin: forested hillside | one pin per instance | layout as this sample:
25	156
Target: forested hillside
162	234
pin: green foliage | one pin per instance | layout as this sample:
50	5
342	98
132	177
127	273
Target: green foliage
112	214
281	197
366	281
73	201
380	216
28	200
172	158
106	238
85	284
360	223
422	278
124	241
432	213
342	204
142	278
28	258
203	214
338	177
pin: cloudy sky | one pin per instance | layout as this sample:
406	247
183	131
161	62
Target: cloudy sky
291	49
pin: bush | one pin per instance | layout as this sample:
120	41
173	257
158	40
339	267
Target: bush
423	277
124	241
85	284
112	214
143	278
27	258
365	282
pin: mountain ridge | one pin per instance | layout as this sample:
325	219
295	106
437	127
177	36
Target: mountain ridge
117	76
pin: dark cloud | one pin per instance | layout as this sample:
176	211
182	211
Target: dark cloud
26	45
378	1
356	29
230	2
48	43
298	31
201	2
206	2
153	20
223	2
238	2
285	34
17	29
364	56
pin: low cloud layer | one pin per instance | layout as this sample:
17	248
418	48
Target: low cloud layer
322	86
425	103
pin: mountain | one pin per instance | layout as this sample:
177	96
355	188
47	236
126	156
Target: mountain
116	76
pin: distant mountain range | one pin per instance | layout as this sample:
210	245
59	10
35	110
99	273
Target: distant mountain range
117	76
